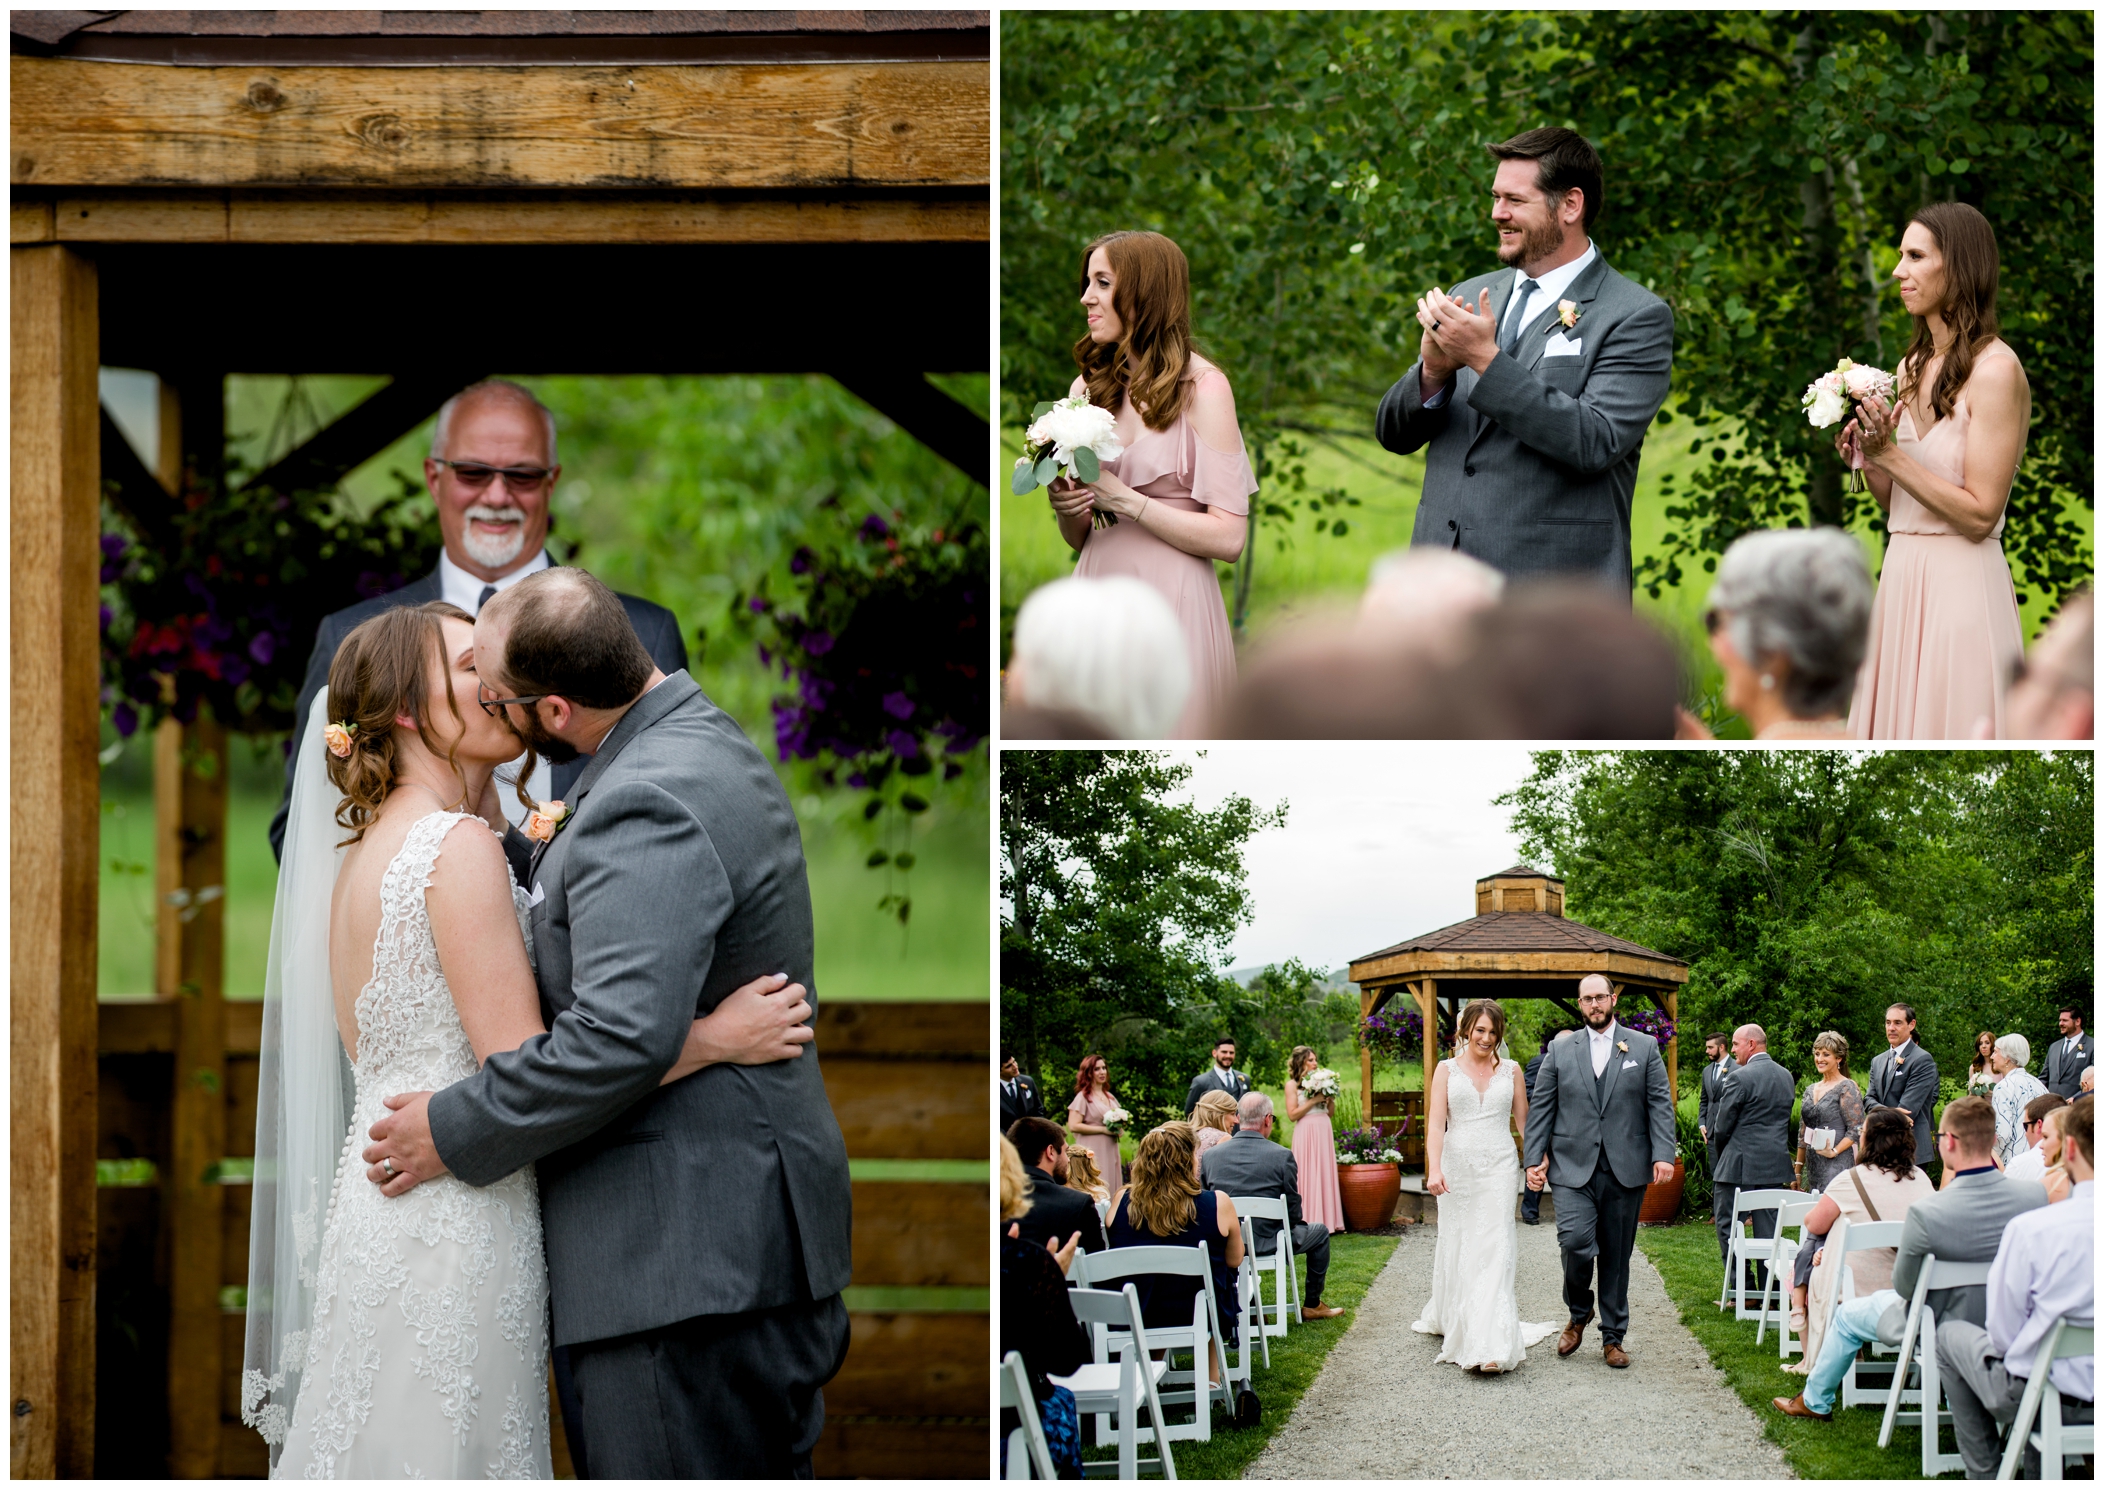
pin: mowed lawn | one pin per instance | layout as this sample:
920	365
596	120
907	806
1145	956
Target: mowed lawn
1316	571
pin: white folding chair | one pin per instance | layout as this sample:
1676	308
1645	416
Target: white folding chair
1121	1386
1744	1249
1285	1278
1782	1266
2056	1442
1917	1347
1029	1457
1179	1388
1847	1237
1103	1210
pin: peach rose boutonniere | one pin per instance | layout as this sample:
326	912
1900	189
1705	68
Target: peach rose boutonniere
1623	1046
338	738
546	821
1567	311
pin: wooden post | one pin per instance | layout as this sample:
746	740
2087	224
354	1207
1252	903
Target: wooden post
54	781
1366	998
1673	1045
1428	1005
189	790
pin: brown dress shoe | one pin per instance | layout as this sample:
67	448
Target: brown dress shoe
1794	1407
1616	1356
1319	1311
1573	1335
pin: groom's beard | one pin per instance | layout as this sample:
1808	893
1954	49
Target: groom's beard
1599	1022
550	749
1534	244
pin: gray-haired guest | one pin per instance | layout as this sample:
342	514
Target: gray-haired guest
2014	1089
1788	620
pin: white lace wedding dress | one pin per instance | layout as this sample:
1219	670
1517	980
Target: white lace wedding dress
427	1358
1473	1301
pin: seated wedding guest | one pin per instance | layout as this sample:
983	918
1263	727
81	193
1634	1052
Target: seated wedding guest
2044	1271
1214	1119
1083	1175
1979	1076
1562	661
1331	681
2054	695
1058	1213
1788	618
1038	1323
1021	721
1422	597
2058	1182
2043	1148
1104	649
1883	1185
2014	1089
1750	1125
1251	1164
1163	1205
1961	1223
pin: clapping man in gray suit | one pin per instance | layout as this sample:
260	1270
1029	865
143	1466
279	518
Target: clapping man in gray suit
2067	1056
1251	1164
1535	383
1750	1126
1905	1076
696	1233
1600	1129
1962	1222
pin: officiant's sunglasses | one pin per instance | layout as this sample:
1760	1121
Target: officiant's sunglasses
475	476
492	706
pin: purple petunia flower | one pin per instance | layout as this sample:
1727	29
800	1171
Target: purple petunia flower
800	562
857	780
818	643
902	745
113	546
107	617
262	647
126	719
875	527
757	605
898	706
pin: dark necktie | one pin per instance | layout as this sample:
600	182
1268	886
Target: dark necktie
1509	342
483	599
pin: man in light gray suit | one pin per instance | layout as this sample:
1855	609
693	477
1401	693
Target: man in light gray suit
1600	1129
1718	1048
1905	1076
2067	1056
1250	1163
1962	1222
1535	383
697	1233
1750	1126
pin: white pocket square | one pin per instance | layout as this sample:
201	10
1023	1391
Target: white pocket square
537	896
1627	1064
1562	346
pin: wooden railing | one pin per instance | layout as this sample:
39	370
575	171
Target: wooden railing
905	1080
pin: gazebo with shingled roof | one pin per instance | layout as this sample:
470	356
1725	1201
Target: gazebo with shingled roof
1519	944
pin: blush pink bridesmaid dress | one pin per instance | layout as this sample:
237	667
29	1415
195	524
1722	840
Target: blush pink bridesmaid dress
1087	1109
1944	633
1174	466
1315	1156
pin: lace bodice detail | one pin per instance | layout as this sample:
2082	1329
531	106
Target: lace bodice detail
1479	1124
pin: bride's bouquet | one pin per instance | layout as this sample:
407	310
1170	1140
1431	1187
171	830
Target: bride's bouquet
1830	398
1321	1082
1070	438
1116	1118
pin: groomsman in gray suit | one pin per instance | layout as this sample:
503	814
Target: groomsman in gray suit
1600	1129
1905	1076
2067	1056
1536	382
1721	1065
1750	1126
1220	1076
696	1233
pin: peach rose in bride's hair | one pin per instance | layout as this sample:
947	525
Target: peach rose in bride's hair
338	738
542	823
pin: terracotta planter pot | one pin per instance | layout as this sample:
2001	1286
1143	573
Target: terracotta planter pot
1662	1202
1369	1194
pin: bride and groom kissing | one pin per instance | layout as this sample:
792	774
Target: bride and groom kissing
1598	1128
487	1105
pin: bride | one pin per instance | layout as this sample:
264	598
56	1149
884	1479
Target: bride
419	1324
1475	1106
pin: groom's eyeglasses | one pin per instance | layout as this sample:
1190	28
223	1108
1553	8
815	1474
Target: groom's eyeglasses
473	475
493	706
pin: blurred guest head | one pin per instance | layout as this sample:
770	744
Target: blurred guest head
2054	695
1216	1110
1015	1189
1109	650
1425	595
1082	1173
1788	619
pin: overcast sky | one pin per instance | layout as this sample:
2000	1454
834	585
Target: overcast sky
1381	842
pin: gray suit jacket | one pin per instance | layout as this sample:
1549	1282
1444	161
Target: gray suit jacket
1234	1083
1624	1120
1713	1076
678	877
1960	1224
1251	1164
2064	1066
1911	1086
1750	1125
1533	463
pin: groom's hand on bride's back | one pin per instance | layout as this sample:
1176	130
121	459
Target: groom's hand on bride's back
755	1025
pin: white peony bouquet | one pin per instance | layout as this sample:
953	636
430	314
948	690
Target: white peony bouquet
1829	399
1116	1118
1070	438
1321	1082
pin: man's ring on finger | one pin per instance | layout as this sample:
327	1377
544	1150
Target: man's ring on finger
387	1166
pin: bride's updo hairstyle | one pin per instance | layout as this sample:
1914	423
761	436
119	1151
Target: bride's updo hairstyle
1480	1009
1972	272
381	673
1152	299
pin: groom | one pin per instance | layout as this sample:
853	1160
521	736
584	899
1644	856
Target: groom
1602	1110
1536	383
697	1233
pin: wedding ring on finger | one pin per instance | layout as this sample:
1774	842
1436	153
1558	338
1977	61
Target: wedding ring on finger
387	1167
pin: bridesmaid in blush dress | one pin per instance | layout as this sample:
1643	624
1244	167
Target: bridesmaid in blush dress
1945	637
1314	1145
1180	492
1092	1099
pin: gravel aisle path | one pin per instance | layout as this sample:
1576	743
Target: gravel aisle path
1380	1409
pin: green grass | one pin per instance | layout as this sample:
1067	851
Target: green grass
1354	1263
1845	1449
1314	572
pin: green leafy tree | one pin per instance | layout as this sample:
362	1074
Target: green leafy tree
1117	907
